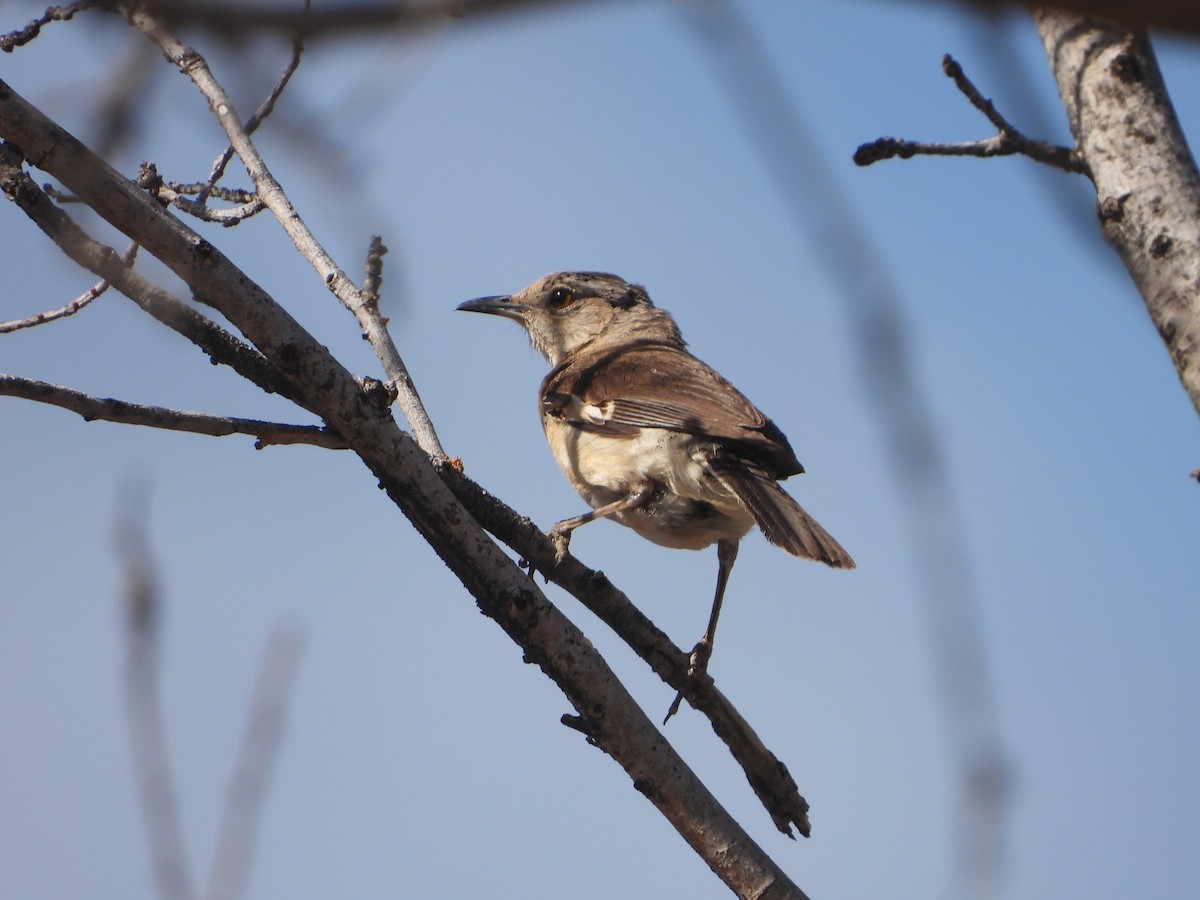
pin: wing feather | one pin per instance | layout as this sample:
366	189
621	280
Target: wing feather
782	519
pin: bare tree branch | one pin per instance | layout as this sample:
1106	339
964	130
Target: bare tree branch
768	776
1180	15
230	17
22	36
1007	142
126	413
234	18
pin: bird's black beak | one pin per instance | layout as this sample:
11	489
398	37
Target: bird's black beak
502	305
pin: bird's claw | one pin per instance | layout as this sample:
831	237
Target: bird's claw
697	669
561	541
698	661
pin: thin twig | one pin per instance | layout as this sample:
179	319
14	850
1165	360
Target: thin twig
272	194
374	325
1007	142
71	308
22	36
177	195
955	72
264	109
192	64
121	411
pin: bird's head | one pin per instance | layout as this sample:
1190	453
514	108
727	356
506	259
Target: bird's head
564	311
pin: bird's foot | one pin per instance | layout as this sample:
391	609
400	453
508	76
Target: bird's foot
697	669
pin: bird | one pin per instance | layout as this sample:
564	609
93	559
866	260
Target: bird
652	437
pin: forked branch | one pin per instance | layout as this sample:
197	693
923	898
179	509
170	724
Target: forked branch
1008	141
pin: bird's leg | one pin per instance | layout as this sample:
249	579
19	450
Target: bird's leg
698	661
726	554
560	534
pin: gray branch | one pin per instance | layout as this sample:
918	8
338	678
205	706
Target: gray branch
126	413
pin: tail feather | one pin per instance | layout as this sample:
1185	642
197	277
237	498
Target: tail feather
782	519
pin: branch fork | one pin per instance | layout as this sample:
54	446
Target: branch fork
1008	141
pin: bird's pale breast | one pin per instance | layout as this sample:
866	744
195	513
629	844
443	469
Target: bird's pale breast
691	510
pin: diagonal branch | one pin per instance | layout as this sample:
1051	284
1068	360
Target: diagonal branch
768	776
503	592
1146	178
126	413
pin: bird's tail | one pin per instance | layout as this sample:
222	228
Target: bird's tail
782	519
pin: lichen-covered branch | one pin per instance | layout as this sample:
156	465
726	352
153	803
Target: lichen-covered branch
1147	185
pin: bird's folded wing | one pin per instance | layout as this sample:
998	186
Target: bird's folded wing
661	386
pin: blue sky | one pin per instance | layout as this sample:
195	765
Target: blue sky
422	758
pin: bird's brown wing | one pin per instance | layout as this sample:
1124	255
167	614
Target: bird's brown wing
654	385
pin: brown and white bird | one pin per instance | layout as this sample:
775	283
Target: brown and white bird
649	435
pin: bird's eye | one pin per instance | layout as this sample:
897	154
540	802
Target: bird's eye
561	298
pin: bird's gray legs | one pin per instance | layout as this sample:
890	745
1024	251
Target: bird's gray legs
698	663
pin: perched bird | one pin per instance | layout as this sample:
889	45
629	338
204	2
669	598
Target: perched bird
649	435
